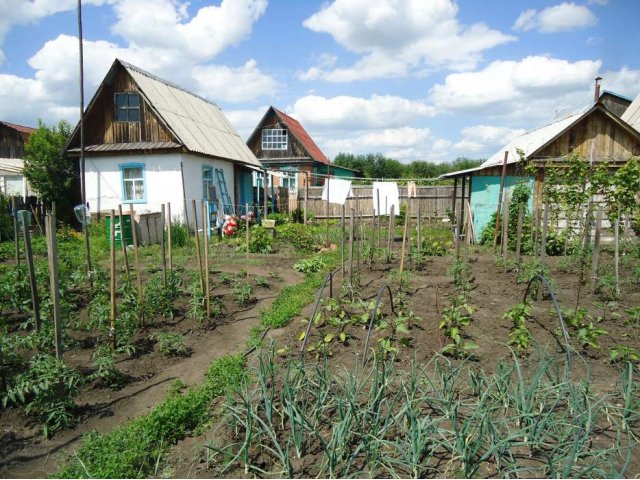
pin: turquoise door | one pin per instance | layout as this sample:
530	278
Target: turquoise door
245	182
484	198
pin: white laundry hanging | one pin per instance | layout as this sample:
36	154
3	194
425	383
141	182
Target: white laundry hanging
336	190
389	196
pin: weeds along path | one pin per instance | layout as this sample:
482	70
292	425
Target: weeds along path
35	456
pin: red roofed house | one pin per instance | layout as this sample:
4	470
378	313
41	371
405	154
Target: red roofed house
282	144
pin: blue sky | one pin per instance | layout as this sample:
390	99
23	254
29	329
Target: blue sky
413	79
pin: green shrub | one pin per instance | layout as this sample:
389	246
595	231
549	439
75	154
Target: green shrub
170	344
260	241
309	266
46	390
6	220
242	292
299	235
179	234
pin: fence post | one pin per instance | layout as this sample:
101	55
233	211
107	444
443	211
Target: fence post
419	227
195	228
404	236
169	236
32	273
545	226
163	250
205	237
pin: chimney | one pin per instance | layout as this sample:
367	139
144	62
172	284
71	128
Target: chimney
596	93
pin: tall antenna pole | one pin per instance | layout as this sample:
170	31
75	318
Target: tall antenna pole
83	190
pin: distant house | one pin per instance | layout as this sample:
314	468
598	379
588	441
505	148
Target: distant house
282	145
596	134
149	142
12	140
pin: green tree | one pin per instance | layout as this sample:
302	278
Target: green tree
49	171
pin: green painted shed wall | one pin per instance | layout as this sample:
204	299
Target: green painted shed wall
484	198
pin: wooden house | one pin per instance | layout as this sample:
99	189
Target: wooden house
596	134
149	142
12	140
283	146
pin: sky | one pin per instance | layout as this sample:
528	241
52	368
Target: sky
411	79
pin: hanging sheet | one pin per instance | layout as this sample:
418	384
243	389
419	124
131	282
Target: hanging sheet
336	190
389	196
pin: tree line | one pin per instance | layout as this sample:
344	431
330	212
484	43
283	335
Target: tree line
376	165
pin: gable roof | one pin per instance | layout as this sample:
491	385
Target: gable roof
24	131
299	133
632	114
196	123
534	141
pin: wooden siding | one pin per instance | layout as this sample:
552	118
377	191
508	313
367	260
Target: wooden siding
101	126
598	134
11	143
294	149
614	103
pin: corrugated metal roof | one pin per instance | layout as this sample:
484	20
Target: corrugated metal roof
11	165
303	137
531	141
19	128
632	114
116	147
197	123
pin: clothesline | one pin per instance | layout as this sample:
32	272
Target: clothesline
376	179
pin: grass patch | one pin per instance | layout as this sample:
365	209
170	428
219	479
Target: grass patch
133	450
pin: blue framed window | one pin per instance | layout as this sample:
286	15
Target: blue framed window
134	189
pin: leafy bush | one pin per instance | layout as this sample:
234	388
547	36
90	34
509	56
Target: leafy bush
436	248
260	241
158	299
46	389
242	292
107	374
197	309
299	235
280	218
309	266
170	344
6	221
179	234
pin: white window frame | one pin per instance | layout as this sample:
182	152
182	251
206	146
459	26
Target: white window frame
134	181
275	139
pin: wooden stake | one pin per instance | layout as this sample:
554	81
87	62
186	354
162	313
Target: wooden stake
122	241
195	228
169	236
617	250
545	226
136	262
306	195
112	283
419	227
342	239
16	244
351	229
327	208
163	250
32	272
87	248
519	233
246	216
596	250
390	232
207	294
52	256
404	237
378	224
502	177
505	231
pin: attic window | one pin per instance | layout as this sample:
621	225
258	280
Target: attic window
274	139
127	107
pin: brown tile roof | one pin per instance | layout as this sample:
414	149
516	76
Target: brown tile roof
298	131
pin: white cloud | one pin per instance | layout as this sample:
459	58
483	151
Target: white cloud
24	12
356	113
530	90
398	37
234	84
485	139
161	38
624	81
165	24
245	120
558	18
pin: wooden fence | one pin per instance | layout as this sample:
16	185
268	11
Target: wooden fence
434	201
